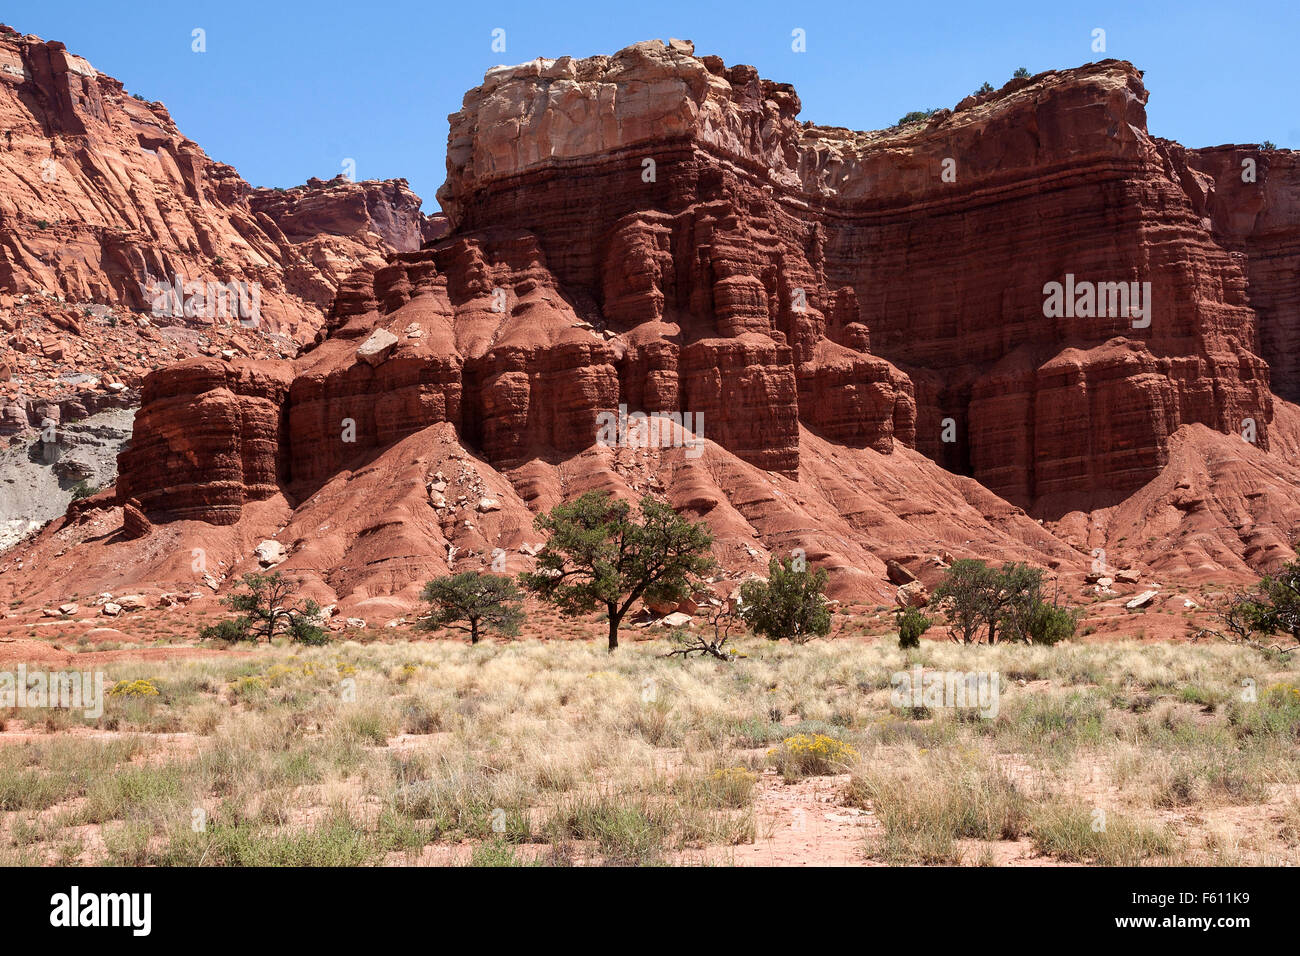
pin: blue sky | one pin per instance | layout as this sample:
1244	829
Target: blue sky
288	90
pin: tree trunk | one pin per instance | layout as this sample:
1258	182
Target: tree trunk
473	630
613	627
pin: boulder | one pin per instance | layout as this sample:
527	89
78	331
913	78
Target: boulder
270	553
377	347
897	573
912	594
1141	600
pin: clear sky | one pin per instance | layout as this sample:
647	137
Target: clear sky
288	90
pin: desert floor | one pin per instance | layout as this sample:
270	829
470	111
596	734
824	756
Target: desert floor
386	750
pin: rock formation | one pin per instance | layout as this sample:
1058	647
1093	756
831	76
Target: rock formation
930	245
861	328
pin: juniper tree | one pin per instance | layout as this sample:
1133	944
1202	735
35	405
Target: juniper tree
603	552
265	611
789	603
482	601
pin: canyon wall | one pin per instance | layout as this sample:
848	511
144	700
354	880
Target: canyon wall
658	230
928	245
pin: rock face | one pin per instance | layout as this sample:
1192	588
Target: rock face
817	310
1252	199
657	230
209	437
99	193
929	245
41	477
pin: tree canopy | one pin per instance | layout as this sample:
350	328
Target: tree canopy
602	551
790	603
482	601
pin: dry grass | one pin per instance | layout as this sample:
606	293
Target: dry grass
557	752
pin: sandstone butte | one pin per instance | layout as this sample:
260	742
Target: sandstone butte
827	300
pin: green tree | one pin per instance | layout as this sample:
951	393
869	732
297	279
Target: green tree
1049	624
911	625
1006	604
480	600
1021	73
965	596
599	552
985	87
790	603
265	612
1015	602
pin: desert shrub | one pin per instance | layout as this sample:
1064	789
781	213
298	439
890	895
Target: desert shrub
134	688
82	489
1049	624
1275	715
911	625
231	629
790	603
811	755
303	628
727	788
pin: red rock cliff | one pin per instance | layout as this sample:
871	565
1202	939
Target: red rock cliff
656	229
99	192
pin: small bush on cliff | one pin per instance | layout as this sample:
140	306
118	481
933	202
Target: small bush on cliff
264	610
911	625
1020	74
599	552
479	600
915	116
790	603
82	489
985	87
